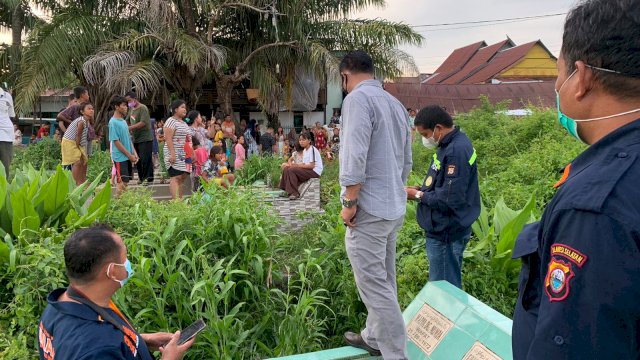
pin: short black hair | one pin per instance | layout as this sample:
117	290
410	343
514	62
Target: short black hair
195	142
431	116
132	94
88	249
72	96
357	62
176	104
606	34
78	91
215	151
117	101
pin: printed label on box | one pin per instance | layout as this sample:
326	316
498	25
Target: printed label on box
480	352
428	328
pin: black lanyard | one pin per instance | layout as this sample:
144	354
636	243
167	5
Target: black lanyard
80	297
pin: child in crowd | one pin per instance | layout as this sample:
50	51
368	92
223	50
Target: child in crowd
240	153
216	170
219	135
334	144
200	158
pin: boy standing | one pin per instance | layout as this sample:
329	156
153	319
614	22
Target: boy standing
123	155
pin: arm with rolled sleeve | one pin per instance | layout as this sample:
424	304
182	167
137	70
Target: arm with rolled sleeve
595	314
357	129
452	194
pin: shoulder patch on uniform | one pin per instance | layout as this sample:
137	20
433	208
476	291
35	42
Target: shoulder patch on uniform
556	283
569	253
428	181
452	170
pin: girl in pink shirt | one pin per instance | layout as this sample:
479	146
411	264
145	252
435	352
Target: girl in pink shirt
200	157
240	153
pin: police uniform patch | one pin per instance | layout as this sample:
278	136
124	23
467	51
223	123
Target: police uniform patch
429	181
451	170
556	284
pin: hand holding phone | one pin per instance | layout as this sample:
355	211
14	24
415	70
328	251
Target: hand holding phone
191	331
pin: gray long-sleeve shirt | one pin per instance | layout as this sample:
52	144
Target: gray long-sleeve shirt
375	149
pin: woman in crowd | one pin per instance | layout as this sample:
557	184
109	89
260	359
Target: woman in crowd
177	134
292	138
257	138
280	138
240	153
215	169
296	155
74	144
295	174
194	119
250	143
320	135
334	144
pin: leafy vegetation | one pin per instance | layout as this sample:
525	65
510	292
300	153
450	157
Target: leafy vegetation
264	293
257	168
45	154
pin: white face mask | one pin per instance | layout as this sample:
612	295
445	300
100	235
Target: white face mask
429	143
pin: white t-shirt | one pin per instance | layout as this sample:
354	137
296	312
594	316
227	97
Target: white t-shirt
313	155
6	113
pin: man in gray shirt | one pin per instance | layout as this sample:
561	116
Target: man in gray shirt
375	161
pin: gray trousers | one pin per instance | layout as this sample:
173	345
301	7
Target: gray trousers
371	247
6	153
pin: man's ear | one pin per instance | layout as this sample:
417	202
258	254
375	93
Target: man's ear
586	80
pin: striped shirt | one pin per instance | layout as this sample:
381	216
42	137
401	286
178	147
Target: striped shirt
72	131
181	135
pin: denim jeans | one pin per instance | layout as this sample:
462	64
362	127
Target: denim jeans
445	258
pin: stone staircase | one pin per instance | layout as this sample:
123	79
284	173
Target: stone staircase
160	186
297	213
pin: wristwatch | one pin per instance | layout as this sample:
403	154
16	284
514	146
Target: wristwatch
418	195
348	203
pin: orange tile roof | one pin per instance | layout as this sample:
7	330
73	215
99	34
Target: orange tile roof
479	59
455	62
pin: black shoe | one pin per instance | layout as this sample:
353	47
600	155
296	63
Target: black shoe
355	340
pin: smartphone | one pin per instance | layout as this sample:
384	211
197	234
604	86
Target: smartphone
191	331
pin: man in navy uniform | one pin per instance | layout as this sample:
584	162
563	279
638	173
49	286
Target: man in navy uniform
449	199
580	280
81	322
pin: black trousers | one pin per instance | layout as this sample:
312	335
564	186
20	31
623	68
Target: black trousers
145	165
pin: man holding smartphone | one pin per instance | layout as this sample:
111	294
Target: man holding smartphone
82	322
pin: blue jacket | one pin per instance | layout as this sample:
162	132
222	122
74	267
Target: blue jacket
451	200
580	279
69	330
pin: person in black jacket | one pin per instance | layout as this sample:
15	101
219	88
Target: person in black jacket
449	198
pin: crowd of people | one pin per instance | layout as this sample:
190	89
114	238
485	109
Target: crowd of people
191	147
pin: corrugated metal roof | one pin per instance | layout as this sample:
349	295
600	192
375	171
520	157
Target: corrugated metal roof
479	59
463	98
503	60
455	62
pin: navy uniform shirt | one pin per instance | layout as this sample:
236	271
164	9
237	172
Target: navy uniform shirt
451	200
69	330
580	280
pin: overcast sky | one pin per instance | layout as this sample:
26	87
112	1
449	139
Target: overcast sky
440	41
439	44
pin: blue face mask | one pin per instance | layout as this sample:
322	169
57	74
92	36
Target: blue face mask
570	124
127	266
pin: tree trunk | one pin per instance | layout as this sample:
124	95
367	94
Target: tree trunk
17	25
186	10
224	88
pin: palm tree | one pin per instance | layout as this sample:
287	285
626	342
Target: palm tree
18	17
169	53
272	47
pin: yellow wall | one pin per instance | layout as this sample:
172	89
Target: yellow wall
537	63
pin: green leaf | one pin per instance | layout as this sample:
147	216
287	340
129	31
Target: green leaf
24	213
54	192
71	217
3	190
502	215
102	198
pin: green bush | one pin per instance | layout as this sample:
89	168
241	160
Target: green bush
260	168
100	165
44	154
